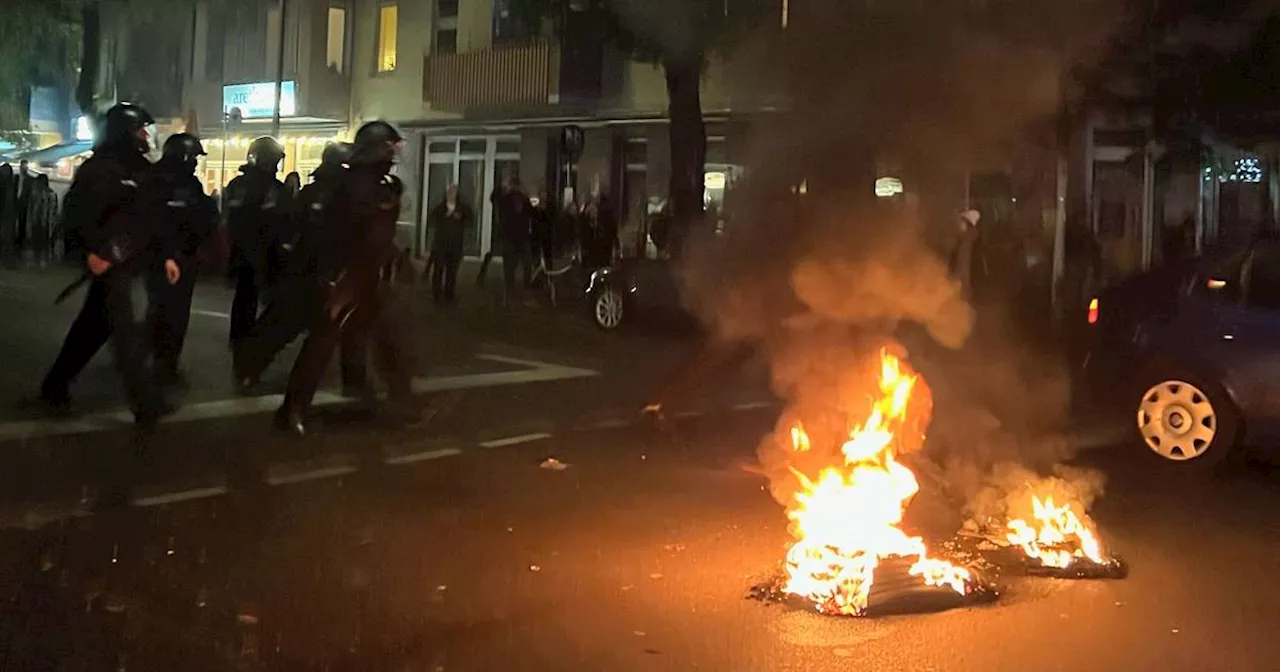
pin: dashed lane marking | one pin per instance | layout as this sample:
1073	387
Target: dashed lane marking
752	405
211	313
538	372
515	440
181	496
312	475
422	457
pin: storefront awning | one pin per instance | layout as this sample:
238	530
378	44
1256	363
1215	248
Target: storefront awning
51	155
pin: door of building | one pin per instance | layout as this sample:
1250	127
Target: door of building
476	165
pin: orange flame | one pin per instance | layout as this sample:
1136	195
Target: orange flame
1056	536
847	518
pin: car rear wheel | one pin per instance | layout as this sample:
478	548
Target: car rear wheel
1187	423
608	308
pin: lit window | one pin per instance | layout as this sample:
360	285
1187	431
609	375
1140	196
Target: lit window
336	44
388	16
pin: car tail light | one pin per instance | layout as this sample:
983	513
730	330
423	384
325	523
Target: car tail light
1093	311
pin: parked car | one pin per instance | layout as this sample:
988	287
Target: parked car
1191	354
617	295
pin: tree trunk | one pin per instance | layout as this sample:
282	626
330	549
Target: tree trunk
90	58
688	139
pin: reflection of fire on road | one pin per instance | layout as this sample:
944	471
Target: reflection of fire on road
847	518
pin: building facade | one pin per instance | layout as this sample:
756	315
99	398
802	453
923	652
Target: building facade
479	96
238	49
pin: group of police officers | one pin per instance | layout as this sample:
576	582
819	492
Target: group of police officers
318	260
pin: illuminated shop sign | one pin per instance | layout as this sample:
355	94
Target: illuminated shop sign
257	100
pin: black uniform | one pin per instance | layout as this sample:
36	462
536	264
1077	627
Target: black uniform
259	208
189	218
299	304
359	231
107	215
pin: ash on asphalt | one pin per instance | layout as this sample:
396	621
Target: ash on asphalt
1113	568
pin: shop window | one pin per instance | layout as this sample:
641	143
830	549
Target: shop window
442	147
508	147
473	146
336	40
388	24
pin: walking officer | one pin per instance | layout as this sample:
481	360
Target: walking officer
359	229
108	222
259	208
189	219
299	303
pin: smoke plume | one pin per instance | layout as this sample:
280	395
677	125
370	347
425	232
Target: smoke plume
820	293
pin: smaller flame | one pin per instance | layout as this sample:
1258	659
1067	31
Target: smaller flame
1057	536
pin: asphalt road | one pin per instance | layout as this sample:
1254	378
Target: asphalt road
452	548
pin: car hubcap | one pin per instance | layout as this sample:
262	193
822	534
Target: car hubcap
1177	420
609	309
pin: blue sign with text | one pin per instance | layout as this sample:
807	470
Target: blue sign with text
258	100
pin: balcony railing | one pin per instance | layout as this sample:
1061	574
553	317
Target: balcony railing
501	77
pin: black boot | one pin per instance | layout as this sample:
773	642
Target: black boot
290	421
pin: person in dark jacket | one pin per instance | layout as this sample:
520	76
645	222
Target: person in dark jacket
189	220
297	306
360	226
42	217
541	229
24	183
258	210
111	219
450	221
515	223
293	181
8	215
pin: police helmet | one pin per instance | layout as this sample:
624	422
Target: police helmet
182	149
265	153
122	123
375	142
336	153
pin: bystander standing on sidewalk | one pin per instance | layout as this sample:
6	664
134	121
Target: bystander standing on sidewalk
8	215
448	223
42	214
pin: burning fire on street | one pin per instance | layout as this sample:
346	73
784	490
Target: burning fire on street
1060	540
847	518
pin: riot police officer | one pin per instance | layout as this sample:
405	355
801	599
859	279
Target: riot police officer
360	228
107	222
300	301
189	218
259	208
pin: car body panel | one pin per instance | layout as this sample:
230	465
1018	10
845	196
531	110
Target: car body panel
1192	321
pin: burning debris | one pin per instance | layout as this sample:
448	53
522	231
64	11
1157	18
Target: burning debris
846	519
1042	522
1061	541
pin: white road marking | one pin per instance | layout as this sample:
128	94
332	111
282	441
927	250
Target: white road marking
752	405
181	496
422	457
313	475
211	313
688	414
515	440
613	423
224	408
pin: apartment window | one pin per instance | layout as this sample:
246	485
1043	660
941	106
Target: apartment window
336	40
388	22
507	26
446	36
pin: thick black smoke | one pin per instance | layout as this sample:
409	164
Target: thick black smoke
822	292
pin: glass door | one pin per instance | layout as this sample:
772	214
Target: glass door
471	192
